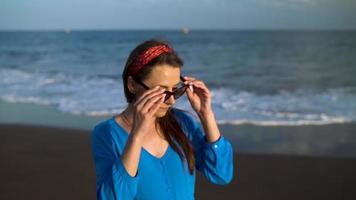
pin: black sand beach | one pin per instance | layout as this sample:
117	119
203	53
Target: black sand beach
40	162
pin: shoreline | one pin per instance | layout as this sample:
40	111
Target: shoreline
49	115
333	140
56	163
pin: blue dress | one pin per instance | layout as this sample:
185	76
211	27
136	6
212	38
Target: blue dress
157	178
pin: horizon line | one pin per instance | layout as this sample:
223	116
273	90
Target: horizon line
175	29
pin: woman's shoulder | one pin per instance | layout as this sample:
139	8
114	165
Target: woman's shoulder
182	114
186	118
103	129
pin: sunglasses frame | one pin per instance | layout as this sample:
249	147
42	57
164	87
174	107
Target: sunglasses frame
168	93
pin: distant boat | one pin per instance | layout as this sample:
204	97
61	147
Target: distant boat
185	30
67	30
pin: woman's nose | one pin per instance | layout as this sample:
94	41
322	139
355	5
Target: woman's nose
170	100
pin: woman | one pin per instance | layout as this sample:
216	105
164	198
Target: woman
151	150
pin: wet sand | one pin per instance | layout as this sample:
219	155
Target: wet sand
39	162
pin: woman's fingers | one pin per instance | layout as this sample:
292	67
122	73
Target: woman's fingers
152	95
190	91
199	88
155	89
200	85
152	102
188	79
191	81
153	108
146	96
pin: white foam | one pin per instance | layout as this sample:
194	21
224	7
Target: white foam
99	96
28	99
285	123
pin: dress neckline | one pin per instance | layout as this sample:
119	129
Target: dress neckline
143	149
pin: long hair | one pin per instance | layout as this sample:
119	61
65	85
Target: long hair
168	123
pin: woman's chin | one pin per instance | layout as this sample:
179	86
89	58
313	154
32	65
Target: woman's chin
161	112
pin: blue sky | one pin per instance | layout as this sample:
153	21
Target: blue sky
175	14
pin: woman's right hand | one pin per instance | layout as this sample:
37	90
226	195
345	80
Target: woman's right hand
144	110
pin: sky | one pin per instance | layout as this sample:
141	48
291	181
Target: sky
176	14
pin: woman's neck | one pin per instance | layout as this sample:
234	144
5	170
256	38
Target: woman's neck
128	115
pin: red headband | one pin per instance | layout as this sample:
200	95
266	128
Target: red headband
147	56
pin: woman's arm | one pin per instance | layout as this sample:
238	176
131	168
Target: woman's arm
131	154
210	126
112	179
214	157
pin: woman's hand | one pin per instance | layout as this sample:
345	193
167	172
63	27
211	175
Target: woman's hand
200	97
144	110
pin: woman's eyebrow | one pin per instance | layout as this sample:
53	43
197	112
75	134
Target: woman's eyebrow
164	86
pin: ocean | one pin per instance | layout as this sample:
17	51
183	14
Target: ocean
256	77
289	92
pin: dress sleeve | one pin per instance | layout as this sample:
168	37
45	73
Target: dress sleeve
112	179
213	159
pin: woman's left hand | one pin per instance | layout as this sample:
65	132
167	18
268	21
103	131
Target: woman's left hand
200	97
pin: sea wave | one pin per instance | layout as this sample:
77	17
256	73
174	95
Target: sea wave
100	96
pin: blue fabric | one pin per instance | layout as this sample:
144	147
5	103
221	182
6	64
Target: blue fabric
157	178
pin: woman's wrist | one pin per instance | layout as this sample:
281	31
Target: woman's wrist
210	127
136	136
208	114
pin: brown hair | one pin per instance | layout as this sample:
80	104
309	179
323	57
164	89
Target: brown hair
168	123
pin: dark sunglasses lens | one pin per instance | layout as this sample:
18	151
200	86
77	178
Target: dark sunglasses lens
168	95
176	94
179	92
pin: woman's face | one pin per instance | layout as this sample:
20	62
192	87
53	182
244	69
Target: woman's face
167	77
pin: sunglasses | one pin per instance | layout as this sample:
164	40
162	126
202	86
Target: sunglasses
176	93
